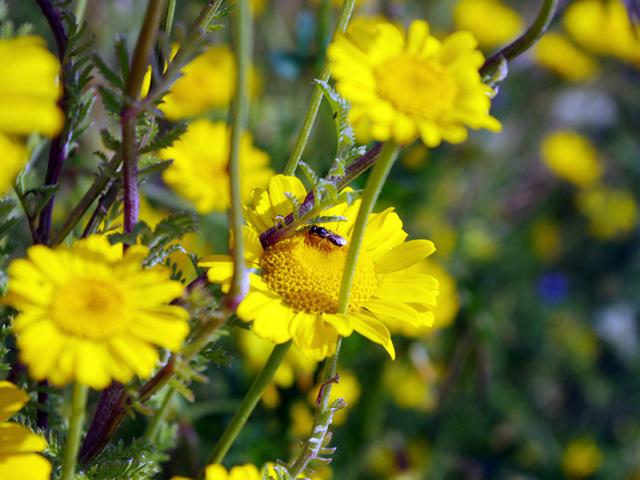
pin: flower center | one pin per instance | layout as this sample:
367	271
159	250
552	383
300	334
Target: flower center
306	271
90	308
416	87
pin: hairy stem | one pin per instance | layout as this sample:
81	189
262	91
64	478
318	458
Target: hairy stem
242	39
249	402
76	420
525	42
322	416
307	210
316	97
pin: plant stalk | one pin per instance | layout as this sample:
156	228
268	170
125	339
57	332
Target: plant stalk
372	191
76	420
525	41
316	97
249	402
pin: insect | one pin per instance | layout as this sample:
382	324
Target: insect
322	232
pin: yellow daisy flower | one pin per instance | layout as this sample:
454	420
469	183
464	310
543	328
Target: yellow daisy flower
572	157
296	282
14	156
29	88
208	82
199	169
604	28
555	52
581	458
19	446
402	87
218	472
492	22
90	314
612	213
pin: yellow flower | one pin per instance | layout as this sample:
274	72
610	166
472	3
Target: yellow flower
29	87
19	446
296	282
14	156
218	472
208	82
555	52
604	28
409	387
612	213
199	169
581	458
92	315
490	21
402	87
571	157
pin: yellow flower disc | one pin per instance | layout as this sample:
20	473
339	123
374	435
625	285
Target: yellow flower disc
296	282
90	314
306	271
402	87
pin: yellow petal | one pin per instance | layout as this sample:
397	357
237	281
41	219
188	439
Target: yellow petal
12	399
405	255
375	331
314	337
279	186
15	438
408	288
270	317
26	466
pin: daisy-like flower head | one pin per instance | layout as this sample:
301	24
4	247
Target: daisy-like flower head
404	86
19	447
29	87
90	314
218	472
296	282
199	169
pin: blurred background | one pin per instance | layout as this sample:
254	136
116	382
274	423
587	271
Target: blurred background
532	370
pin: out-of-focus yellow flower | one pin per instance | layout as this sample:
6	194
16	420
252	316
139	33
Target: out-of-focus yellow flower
218	472
604	27
321	472
612	213
257	7
581	458
572	157
404	86
90	314
490	21
208	82
295	366
199	169
546	239
14	156
19	447
294	291
555	52
445	311
29	92
415	157
29	87
301	419
409	387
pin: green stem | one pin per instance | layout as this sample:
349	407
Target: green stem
76	420
525	42
370	196
316	98
249	402
152	428
81	8
372	191
170	13
243	38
